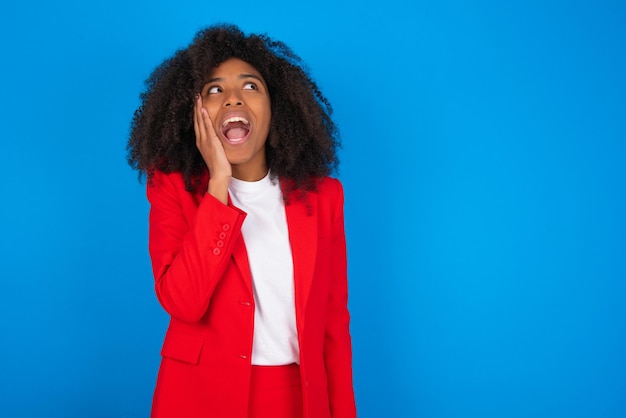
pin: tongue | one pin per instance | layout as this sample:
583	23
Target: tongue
236	130
236	133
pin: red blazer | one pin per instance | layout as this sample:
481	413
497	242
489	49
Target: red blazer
203	280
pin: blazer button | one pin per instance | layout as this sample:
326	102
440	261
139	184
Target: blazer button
222	235
225	227
245	303
216	251
243	356
220	244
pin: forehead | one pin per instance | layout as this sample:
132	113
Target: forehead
234	67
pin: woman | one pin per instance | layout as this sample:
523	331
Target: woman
246	233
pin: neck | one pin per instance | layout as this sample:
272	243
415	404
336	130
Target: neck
250	175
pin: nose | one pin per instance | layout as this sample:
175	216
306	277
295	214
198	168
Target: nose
233	99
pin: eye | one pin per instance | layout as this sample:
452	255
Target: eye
214	90
250	86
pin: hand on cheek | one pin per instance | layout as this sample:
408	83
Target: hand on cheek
212	152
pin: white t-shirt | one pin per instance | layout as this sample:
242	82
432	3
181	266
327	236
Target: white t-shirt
266	237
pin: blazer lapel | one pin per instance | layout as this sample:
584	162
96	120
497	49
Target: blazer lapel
303	238
240	255
302	227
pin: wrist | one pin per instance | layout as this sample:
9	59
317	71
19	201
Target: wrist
218	188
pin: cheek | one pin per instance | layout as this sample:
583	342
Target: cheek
268	116
269	119
212	114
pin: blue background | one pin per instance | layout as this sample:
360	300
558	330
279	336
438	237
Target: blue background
485	176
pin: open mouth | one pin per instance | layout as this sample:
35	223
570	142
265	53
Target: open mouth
235	129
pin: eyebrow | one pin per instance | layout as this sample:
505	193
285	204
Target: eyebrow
241	77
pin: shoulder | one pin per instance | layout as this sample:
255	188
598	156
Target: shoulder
329	198
329	187
319	186
328	193
176	180
160	178
160	183
172	185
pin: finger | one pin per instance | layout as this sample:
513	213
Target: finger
197	120
195	112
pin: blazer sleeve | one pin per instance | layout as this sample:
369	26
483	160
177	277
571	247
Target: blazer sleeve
337	343
189	249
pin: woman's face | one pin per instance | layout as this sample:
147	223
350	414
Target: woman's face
238	103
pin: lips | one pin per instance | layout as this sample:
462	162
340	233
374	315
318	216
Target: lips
235	129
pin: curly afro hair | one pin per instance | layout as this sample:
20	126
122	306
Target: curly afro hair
303	139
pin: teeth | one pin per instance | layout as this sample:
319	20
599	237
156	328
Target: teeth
235	119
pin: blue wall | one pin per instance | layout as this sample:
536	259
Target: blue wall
485	176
